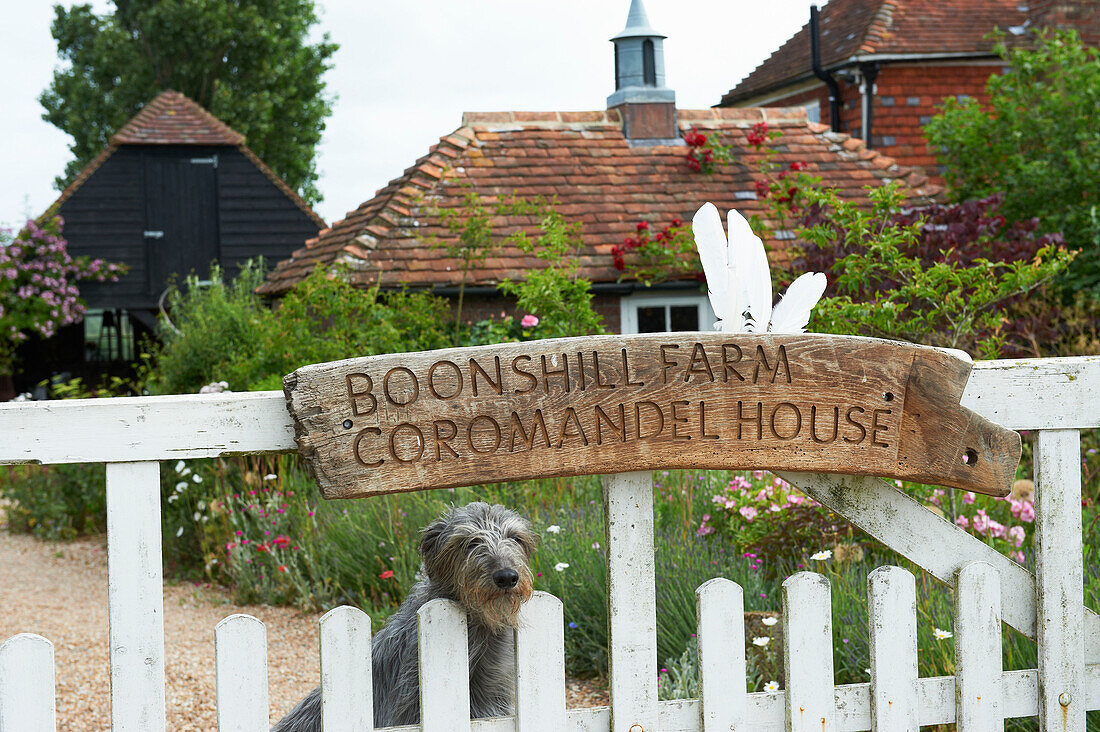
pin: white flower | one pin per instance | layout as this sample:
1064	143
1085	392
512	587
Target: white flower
769	621
822	555
196	516
553	529
771	686
181	486
172	498
561	567
185	471
942	634
271	476
180	466
205	519
761	640
197	478
179	531
595	545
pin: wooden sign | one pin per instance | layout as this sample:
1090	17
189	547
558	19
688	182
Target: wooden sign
612	404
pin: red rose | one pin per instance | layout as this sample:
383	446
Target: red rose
761	189
642	225
677	222
799	165
387	574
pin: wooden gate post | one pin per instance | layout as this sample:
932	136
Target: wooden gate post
631	606
1059	581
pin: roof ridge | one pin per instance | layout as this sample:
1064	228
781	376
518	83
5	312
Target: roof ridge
500	121
151	124
878	26
889	168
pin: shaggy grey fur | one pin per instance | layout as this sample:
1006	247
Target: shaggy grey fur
479	556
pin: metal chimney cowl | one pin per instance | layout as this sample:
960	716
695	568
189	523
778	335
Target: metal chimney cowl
647	107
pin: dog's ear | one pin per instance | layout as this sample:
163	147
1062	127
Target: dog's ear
431	536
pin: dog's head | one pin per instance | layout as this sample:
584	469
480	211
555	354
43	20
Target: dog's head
481	556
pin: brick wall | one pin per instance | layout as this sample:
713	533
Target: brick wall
1082	16
907	97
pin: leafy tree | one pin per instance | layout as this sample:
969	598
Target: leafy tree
1038	142
941	276
247	61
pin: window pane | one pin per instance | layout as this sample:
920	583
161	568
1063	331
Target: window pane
685	317
651	319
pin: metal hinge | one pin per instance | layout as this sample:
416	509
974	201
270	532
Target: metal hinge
212	160
154	234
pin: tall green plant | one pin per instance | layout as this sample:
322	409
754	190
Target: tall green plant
1037	141
472	241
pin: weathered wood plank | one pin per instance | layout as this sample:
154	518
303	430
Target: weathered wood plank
933	543
444	667
978	691
514	411
808	653
347	694
27	702
540	665
240	650
1037	393
126	429
721	612
892	611
1059	580
135	596
632	614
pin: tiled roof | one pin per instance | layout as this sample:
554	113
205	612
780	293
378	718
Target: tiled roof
852	28
598	179
173	119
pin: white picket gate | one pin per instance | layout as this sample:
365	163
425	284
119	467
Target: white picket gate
1058	397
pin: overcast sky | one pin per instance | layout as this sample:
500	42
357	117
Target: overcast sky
407	69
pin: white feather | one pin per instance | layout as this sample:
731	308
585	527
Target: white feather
792	313
747	251
725	294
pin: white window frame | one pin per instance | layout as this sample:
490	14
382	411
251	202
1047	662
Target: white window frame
629	304
813	110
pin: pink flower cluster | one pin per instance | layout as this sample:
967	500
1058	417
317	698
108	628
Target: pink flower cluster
984	522
38	292
749	501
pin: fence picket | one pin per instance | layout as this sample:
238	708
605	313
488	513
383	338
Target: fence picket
347	694
1059	580
808	653
444	667
632	625
892	611
240	648
27	702
721	635
978	687
540	665
135	597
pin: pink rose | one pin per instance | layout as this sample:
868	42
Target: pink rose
529	321
748	512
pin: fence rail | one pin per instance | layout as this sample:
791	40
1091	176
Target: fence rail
1059	397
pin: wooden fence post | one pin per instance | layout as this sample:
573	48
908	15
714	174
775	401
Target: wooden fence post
979	703
1059	581
722	697
540	665
347	693
892	614
240	648
444	667
27	702
808	653
135	597
631	601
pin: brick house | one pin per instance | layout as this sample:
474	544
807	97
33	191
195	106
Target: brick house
607	169
893	62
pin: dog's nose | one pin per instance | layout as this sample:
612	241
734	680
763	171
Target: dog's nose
506	579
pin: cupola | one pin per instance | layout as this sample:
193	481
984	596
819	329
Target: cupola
647	107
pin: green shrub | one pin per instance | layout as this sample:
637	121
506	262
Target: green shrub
55	501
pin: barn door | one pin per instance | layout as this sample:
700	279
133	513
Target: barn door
181	216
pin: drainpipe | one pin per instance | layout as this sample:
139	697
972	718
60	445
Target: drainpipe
830	82
868	74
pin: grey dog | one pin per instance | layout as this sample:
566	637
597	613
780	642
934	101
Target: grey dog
479	556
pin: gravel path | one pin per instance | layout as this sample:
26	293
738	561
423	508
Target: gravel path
60	591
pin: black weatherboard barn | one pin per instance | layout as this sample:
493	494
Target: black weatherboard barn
175	190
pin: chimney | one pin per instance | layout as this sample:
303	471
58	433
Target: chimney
647	107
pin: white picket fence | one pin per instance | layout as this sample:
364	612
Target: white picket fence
1059	397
